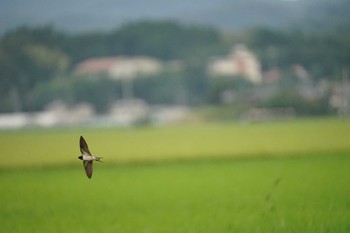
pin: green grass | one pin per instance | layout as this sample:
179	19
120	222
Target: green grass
276	177
60	147
305	194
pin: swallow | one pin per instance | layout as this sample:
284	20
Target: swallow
87	157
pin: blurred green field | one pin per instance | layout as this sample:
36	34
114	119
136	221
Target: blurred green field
276	177
187	142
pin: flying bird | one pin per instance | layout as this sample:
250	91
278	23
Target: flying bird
87	157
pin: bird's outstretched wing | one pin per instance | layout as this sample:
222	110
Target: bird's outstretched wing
84	149
88	168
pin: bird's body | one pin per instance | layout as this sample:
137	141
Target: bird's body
87	157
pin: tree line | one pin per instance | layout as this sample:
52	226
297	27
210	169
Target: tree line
36	63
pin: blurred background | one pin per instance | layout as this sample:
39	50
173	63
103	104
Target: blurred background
124	63
208	72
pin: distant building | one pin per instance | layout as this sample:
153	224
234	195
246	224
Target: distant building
169	114
300	72
13	120
56	114
340	97
240	61
272	75
129	112
60	114
119	67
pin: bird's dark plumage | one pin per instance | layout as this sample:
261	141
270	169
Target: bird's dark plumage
84	149
88	168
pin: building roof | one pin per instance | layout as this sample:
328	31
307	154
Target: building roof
96	65
119	67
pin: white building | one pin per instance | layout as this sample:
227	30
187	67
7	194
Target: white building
119	67
57	114
240	61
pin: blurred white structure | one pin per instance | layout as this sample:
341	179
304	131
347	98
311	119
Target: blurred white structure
129	112
240	61
119	67
57	114
13	120
123	113
169	114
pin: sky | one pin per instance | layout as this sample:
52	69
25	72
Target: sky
106	14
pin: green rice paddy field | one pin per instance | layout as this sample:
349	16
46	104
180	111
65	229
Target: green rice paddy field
291	176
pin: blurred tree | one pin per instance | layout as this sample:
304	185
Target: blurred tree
290	98
321	53
219	85
34	59
28	57
99	92
86	45
167	40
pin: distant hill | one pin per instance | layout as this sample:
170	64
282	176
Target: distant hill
82	15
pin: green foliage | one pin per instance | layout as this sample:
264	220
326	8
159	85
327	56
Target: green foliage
47	59
323	54
187	87
28	57
168	40
159	89
290	98
164	40
100	92
218	85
